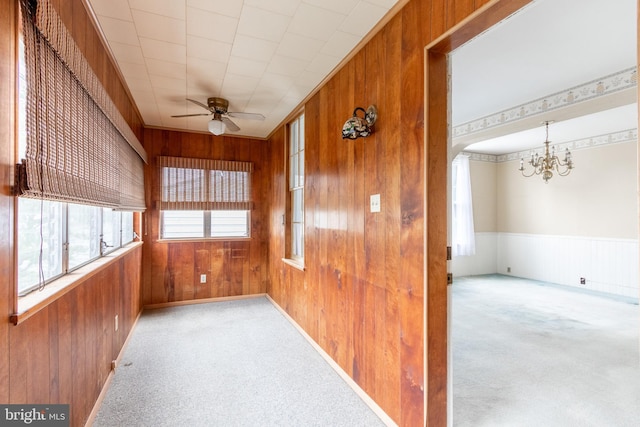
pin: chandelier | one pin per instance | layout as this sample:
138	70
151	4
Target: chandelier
546	164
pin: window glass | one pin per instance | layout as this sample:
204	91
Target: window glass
182	224
295	233
110	230
297	230
40	238
201	224
83	234
229	223
127	227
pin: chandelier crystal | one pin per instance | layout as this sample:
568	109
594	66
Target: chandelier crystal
546	164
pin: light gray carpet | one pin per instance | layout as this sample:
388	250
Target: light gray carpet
233	363
527	353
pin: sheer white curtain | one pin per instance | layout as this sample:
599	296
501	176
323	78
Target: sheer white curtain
463	239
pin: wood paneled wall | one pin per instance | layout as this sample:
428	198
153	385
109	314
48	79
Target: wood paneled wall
172	270
363	293
63	353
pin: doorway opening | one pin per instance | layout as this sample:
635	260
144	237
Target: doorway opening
438	114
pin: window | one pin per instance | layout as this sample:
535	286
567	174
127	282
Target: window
204	198
462	231
54	236
296	190
204	224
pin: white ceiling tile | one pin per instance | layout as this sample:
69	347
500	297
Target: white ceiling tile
211	50
363	18
223	7
300	47
263	24
144	96
340	44
117	30
139	83
156	49
387	4
287	66
315	22
118	9
171	99
323	64
210	25
341	6
238	86
251	47
246	67
200	95
274	82
161	82
206	75
283	7
166	69
127	53
159	27
172	8
133	70
309	80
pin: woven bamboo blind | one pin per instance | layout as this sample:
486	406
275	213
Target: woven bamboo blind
204	184
79	148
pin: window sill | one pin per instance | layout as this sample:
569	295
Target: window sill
204	240
35	301
294	263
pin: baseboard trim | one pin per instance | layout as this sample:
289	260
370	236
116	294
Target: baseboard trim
347	379
201	301
107	383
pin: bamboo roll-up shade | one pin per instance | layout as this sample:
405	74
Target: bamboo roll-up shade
204	184
74	151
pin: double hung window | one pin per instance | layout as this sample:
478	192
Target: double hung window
204	198
296	190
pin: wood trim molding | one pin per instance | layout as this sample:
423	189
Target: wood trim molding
437	144
201	301
35	301
350	382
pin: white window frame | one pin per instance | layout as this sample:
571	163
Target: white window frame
208	232
296	177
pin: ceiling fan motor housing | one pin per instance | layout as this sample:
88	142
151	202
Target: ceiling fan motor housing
219	105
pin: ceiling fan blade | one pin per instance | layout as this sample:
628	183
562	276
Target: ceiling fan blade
230	125
206	107
248	116
192	115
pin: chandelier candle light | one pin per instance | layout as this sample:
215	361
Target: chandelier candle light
549	162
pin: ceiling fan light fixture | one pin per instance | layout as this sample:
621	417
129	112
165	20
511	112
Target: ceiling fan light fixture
216	126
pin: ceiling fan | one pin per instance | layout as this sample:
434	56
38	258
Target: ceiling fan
221	121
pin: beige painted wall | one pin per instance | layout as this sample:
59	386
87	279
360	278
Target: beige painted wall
483	192
592	201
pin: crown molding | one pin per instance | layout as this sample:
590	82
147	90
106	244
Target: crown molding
629	135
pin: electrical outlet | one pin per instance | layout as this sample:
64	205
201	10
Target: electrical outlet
508	269
116	323
583	281
374	203
203	278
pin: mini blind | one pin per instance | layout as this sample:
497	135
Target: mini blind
79	148
204	184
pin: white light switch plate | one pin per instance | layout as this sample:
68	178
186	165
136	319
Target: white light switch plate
203	278
374	201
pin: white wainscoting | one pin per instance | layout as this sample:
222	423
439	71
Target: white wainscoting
608	265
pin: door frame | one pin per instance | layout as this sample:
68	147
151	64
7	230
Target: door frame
438	393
